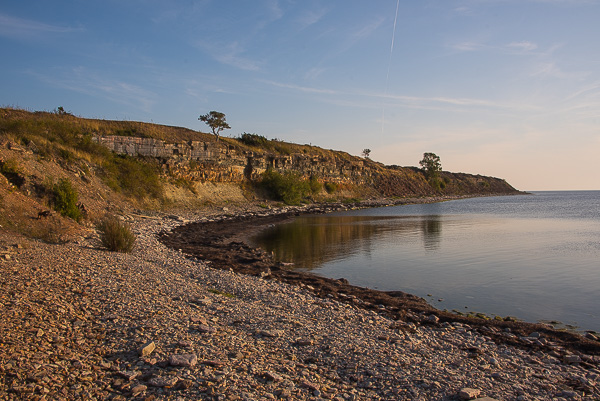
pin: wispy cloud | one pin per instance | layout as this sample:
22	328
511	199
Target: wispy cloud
367	29
230	54
299	88
524	46
310	17
90	83
467	46
360	99
550	69
18	27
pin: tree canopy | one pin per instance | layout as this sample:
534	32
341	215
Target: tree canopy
216	121
431	165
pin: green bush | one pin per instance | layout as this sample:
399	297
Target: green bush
132	177
65	199
331	187
287	187
315	185
252	139
116	235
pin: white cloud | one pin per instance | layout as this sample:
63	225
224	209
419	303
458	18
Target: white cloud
19	27
524	46
230	54
301	88
311	17
467	46
90	83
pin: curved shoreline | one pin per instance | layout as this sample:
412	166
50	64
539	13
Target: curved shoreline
222	242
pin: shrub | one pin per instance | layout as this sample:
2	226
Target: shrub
287	187
315	185
252	139
65	199
115	234
10	169
132	177
331	187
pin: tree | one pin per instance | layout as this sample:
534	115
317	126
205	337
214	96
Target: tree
366	153
431	165
216	121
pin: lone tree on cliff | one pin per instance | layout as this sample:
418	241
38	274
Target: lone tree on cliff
431	165
216	121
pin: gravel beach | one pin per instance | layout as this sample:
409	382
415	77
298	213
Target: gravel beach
79	322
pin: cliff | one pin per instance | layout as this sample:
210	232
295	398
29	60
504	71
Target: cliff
117	165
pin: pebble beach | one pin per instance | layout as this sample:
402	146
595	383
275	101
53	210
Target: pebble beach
79	322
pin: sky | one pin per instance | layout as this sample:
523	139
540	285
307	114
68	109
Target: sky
506	88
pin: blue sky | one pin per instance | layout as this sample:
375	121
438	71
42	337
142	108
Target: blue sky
508	88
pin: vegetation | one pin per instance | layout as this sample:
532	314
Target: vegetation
133	177
216	121
65	199
331	187
10	169
253	139
288	187
116	235
431	165
366	153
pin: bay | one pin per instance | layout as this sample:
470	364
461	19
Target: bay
535	257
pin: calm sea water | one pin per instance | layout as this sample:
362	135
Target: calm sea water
535	257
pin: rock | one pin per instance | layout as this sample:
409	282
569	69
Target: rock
311	386
469	393
571	359
140	388
272	376
129	374
268	333
185	360
160	381
206	329
433	319
147	348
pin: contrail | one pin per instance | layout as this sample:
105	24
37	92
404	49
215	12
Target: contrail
387	78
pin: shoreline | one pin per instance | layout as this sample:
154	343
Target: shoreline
79	322
223	242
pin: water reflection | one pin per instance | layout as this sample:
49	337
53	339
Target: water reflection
432	232
310	242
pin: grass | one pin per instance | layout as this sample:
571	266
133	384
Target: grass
65	199
116	235
70	139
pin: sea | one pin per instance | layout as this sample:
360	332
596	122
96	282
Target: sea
534	257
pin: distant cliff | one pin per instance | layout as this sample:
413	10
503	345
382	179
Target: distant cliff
123	164
231	162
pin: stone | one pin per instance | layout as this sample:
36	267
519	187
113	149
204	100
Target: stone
147	348
206	329
160	381
468	393
267	333
140	388
570	359
185	360
272	376
433	319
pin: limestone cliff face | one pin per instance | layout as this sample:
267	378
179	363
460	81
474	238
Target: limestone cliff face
222	162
